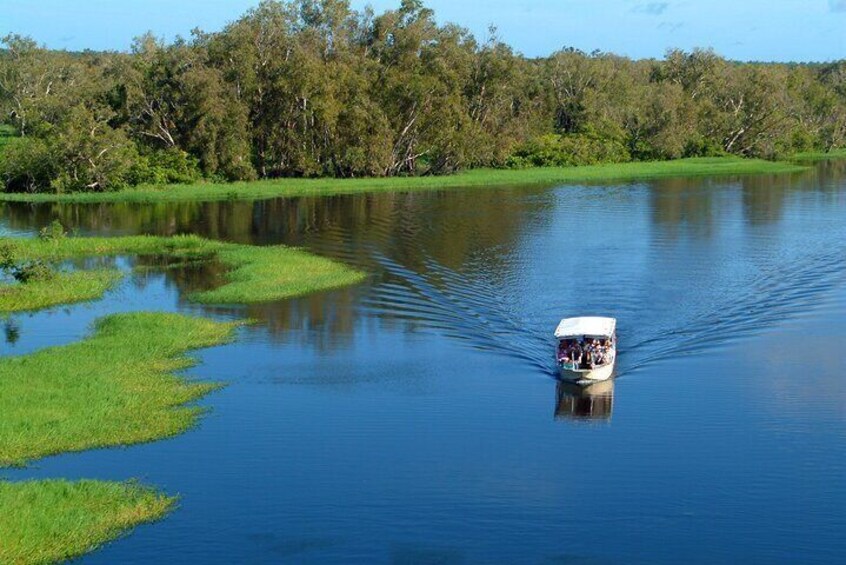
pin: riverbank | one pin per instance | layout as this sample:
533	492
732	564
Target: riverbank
254	274
815	156
477	178
56	520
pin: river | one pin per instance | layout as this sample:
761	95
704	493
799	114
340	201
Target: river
416	419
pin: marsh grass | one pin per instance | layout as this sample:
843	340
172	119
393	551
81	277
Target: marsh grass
254	274
815	156
64	288
114	388
51	521
263	189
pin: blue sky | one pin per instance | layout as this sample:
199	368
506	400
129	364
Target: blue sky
778	30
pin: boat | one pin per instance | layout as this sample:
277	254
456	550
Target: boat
586	348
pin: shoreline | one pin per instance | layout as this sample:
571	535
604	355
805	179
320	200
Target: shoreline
475	178
254	274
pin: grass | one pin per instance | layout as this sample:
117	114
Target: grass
114	388
264	189
55	520
65	288
255	274
813	156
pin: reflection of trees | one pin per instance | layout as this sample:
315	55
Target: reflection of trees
320	323
408	227
591	402
458	242
687	203
11	331
188	276
832	172
414	230
764	195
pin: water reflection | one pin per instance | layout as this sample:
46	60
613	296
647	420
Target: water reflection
442	459
584	402
11	331
493	268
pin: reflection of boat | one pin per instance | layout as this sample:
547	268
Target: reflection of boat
592	402
587	348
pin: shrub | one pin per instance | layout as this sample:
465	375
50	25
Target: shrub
568	150
54	232
26	271
164	166
26	165
33	271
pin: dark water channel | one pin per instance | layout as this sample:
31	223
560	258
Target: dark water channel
415	419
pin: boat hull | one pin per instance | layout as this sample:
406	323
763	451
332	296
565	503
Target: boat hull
599	374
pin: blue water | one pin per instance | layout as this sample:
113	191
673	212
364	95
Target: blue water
415	418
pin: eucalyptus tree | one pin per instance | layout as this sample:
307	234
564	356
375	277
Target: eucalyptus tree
315	88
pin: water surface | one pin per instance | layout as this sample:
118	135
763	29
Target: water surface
415	418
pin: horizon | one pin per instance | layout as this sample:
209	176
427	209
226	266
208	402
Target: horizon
657	26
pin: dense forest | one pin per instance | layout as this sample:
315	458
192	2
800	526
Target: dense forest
312	88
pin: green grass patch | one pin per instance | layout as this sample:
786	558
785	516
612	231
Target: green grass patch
263	189
255	274
65	288
116	387
814	156
54	520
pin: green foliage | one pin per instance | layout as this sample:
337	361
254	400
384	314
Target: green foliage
23	271
26	165
164	166
304	88
7	136
33	271
55	231
480	178
51	521
8	256
90	154
568	150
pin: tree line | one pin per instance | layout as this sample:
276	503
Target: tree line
311	88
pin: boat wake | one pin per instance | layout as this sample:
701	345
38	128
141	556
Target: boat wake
484	315
470	311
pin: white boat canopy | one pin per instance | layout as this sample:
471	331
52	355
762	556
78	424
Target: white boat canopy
594	326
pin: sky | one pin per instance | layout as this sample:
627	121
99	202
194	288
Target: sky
749	30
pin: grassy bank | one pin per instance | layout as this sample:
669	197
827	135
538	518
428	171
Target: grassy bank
116	387
255	274
718	166
65	288
814	156
54	520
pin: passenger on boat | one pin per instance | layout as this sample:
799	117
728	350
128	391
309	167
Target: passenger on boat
563	351
598	352
569	350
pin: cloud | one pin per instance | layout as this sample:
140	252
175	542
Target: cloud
837	5
658	8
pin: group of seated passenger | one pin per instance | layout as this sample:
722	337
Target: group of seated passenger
585	352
